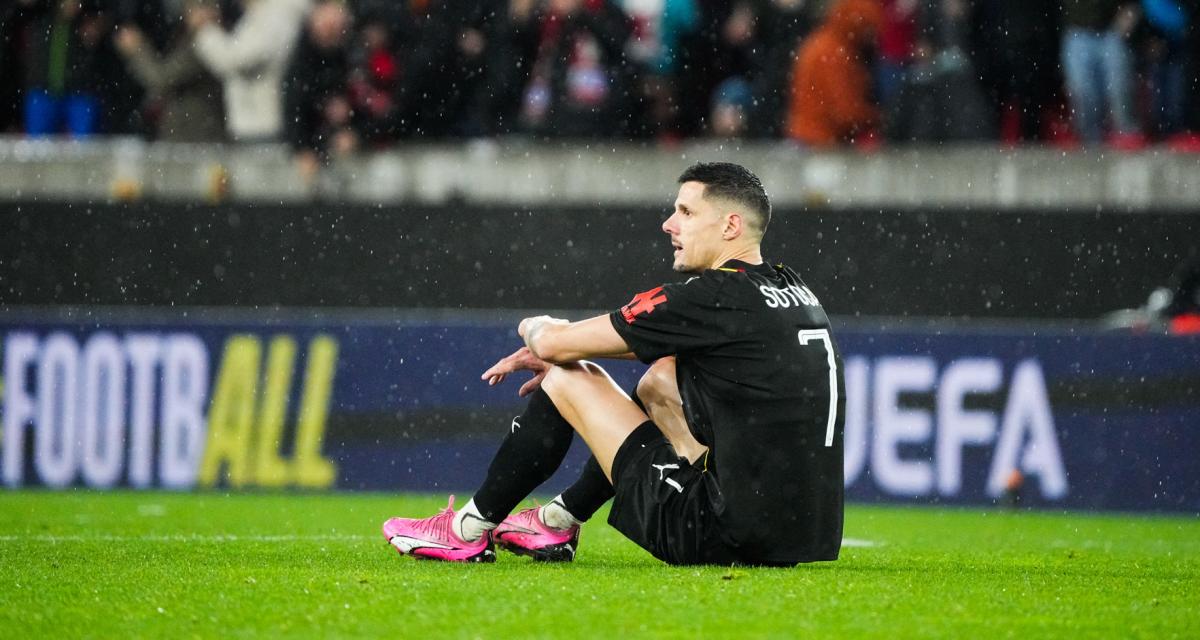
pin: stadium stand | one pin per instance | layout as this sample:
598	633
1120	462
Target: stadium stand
1092	71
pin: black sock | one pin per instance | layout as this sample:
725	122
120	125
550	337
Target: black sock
531	452
589	492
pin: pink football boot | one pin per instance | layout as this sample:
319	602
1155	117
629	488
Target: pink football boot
524	533
434	538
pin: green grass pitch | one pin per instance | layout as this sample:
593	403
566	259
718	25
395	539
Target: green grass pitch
127	565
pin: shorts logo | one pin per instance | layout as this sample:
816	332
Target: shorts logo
643	303
662	475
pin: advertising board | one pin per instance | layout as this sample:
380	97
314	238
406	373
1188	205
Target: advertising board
393	401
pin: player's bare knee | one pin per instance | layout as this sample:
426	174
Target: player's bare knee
560	378
658	383
648	388
554	382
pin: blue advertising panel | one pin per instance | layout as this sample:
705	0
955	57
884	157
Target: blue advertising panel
393	401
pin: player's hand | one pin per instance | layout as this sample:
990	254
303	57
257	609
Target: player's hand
521	360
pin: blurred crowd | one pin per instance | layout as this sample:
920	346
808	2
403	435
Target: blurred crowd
334	77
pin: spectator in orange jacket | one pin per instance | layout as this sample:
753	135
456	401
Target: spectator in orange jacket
831	78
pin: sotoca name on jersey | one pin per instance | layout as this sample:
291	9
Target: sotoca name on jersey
788	296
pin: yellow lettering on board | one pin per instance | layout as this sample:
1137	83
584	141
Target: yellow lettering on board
231	413
271	470
309	467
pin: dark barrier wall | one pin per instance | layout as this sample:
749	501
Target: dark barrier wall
394	402
1044	264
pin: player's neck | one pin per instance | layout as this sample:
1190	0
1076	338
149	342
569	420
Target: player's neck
749	255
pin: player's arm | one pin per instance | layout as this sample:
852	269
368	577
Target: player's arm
558	341
547	333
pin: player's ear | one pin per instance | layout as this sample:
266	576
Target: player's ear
735	225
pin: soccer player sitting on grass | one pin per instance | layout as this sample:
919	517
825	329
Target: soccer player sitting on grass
734	453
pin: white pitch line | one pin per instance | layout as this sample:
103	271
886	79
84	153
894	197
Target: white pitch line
182	538
856	542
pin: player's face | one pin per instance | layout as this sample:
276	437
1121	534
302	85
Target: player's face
695	228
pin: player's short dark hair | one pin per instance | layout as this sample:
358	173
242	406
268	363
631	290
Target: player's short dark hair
734	183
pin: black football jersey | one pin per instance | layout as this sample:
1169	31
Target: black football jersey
762	387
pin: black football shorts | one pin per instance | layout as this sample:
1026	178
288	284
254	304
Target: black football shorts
662	501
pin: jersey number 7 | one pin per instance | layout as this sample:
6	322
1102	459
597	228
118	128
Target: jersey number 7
822	335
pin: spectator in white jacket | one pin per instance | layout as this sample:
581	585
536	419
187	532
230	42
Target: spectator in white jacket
250	61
